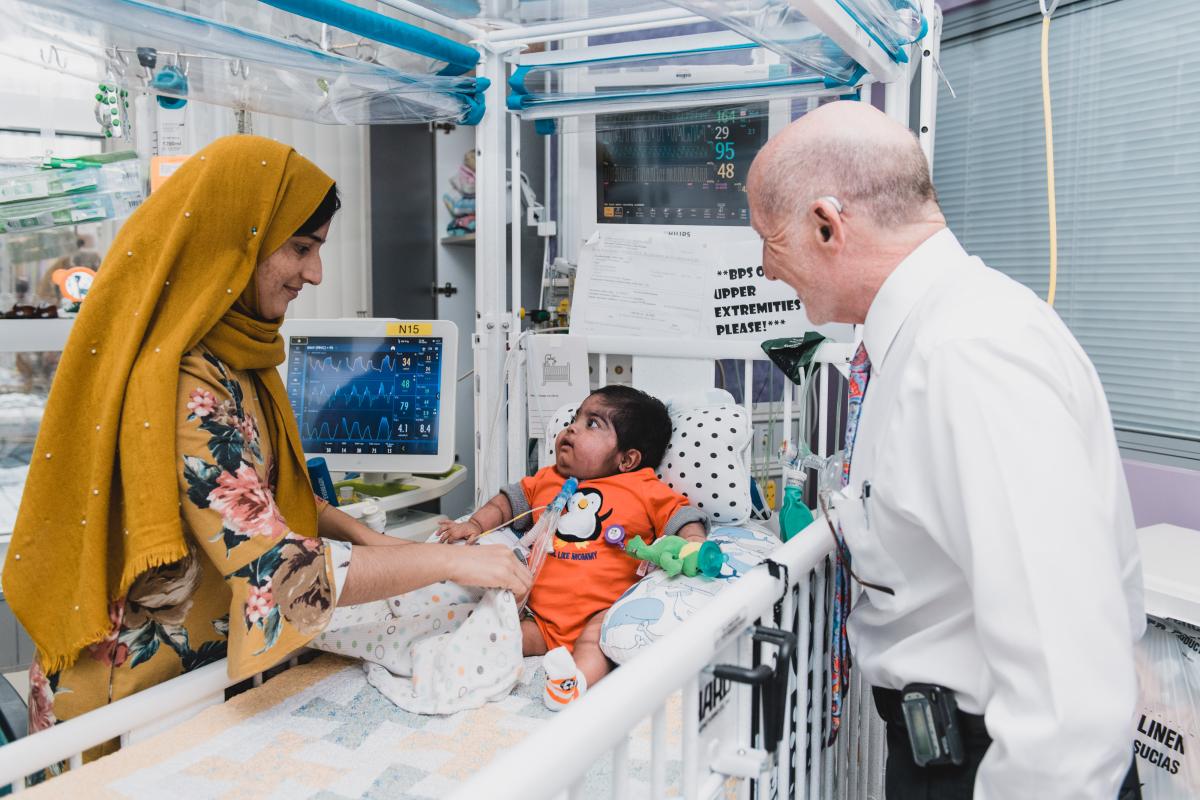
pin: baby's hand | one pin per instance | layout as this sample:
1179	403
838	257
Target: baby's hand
451	531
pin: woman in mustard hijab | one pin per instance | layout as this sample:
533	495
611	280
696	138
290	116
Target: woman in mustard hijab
167	520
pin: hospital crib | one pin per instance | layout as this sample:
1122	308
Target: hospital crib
751	668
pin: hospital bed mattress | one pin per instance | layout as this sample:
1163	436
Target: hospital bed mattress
320	730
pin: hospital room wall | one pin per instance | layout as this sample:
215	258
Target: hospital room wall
1127	271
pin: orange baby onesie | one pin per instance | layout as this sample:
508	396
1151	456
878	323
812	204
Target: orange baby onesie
584	575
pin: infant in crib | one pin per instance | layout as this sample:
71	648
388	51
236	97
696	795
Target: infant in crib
613	445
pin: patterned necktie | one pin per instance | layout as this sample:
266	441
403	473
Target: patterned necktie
839	649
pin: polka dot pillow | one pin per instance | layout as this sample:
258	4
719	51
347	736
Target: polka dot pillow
703	462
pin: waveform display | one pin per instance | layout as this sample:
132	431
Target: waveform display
350	431
672	153
366	428
659	134
369	396
641	173
358	365
687	118
680	168
357	395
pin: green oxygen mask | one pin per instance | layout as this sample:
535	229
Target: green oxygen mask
794	516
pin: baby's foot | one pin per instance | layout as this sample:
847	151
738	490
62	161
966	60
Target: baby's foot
564	682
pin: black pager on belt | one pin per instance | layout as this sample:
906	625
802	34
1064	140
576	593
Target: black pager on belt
931	716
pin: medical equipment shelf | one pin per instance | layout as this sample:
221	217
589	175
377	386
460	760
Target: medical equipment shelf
466	240
1170	564
424	488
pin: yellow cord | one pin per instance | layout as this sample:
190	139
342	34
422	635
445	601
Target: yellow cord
1048	117
511	521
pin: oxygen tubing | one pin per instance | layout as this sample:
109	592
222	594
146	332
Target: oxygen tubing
1049	120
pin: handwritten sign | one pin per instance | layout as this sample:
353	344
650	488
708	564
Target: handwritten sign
744	303
653	283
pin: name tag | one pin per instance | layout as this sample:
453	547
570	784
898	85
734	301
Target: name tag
410	329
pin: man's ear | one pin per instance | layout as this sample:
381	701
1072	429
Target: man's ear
827	222
629	460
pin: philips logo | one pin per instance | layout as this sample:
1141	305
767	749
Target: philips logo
680	234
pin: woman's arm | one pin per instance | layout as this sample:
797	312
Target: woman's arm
282	585
377	573
334	524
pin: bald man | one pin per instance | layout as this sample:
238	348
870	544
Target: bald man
985	509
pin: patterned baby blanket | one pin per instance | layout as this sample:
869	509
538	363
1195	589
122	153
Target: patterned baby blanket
321	731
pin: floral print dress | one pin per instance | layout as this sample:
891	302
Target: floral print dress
250	589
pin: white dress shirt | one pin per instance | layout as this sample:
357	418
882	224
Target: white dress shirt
998	513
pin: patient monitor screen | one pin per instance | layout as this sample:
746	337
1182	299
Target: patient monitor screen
677	167
373	396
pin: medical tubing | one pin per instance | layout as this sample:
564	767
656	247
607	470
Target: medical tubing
550	518
1048	118
459	57
508	522
564	494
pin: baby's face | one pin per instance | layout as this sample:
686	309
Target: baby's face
587	448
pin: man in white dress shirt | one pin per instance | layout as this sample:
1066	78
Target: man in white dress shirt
986	502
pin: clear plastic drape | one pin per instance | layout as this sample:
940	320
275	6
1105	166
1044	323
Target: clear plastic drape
108	41
781	26
718	67
507	13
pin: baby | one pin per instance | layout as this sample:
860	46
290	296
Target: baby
613	445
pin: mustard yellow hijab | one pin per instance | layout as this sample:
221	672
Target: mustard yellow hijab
101	503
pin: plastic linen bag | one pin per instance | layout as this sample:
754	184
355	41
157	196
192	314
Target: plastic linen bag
1167	737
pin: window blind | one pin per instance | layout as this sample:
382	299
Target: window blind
1127	163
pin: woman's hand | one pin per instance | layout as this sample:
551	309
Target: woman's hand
450	531
490	567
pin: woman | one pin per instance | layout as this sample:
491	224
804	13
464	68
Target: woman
168	521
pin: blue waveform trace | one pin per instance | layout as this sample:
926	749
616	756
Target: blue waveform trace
350	432
360	365
350	397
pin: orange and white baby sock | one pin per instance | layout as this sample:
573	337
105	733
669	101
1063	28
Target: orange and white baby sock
564	681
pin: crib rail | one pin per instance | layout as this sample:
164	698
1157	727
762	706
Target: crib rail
130	720
602	721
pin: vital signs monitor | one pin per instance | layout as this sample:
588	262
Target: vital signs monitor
677	167
373	395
